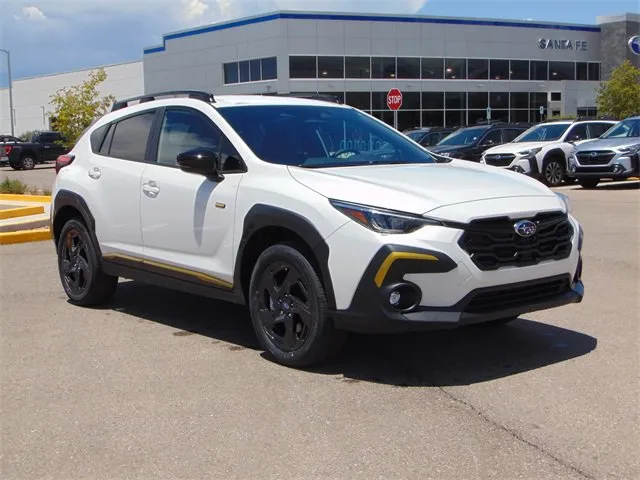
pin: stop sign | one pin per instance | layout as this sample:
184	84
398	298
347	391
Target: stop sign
394	99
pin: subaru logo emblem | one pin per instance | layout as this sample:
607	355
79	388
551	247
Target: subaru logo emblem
634	44
498	157
525	228
594	154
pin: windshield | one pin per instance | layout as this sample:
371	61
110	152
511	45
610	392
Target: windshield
466	136
320	136
626	128
415	136
543	133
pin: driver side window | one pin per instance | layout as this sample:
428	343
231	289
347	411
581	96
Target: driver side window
579	132
184	130
494	137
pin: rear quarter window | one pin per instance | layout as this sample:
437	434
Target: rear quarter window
97	137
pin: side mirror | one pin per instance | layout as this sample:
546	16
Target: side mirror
201	161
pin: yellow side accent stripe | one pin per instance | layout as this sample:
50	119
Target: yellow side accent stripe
386	265
199	275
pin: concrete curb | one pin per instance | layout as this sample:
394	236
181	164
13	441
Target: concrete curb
24	236
21	212
25	198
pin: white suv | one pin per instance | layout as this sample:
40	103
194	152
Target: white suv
318	217
543	150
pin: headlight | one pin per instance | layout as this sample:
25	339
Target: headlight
565	200
531	151
381	220
631	149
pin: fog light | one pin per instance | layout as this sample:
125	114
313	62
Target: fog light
394	298
517	168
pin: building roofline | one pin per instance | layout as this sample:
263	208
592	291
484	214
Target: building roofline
370	17
65	72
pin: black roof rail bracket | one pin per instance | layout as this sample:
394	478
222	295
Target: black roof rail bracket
148	97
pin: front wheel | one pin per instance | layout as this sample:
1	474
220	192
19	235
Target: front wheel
589	182
289	309
553	172
81	275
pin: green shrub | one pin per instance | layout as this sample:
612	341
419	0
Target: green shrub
13	186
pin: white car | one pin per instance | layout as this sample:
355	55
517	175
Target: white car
542	151
292	207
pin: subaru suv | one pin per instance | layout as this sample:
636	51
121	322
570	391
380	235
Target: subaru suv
542	151
285	205
469	143
614	155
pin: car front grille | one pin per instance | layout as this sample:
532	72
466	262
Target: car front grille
499	160
595	157
493	243
519	295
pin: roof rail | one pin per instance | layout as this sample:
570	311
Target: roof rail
198	95
309	96
601	117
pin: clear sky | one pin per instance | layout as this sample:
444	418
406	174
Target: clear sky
49	36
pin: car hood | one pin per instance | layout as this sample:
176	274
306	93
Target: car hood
449	148
516	147
419	188
599	143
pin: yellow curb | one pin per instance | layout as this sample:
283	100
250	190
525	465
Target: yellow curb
25	198
21	212
25	236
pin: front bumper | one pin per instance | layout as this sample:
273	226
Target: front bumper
431	283
527	165
622	166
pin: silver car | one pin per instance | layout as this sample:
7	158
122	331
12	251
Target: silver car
614	155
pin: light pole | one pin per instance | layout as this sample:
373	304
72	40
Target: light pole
10	87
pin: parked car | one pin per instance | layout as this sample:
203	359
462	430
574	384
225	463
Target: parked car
43	147
428	136
469	143
285	205
542	151
614	155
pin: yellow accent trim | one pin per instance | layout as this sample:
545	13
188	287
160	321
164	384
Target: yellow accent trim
220	205
25	198
386	265
24	236
21	212
199	275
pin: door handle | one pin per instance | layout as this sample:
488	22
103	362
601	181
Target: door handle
95	173
150	189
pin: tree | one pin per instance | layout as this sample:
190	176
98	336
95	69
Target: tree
620	96
78	106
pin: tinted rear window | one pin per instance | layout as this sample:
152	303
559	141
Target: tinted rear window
130	137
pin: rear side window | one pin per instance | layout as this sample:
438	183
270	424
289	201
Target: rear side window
97	137
130	137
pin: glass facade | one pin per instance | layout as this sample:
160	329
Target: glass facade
359	67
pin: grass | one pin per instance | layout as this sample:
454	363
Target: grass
16	186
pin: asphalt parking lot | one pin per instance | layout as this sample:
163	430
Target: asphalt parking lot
166	385
42	176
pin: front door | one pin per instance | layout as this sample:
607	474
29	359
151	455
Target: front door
187	219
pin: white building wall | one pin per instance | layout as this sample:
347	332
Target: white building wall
31	96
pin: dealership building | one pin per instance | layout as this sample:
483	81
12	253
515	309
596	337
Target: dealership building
450	71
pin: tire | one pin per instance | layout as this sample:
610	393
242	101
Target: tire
289	309
553	172
79	268
589	182
27	162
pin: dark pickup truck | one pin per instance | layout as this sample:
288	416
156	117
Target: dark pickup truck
43	147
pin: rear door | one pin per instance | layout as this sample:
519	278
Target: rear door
51	146
115	172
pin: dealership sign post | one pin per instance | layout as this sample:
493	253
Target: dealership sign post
394	102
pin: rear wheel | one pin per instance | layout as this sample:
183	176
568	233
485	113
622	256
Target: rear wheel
81	275
553	172
589	182
27	162
289	309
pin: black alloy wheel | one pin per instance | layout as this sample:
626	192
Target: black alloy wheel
80	271
289	309
285	312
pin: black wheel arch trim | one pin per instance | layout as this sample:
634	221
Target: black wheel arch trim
555	153
263	216
66	198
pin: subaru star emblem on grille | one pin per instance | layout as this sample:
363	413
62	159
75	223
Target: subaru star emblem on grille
525	228
594	154
498	157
